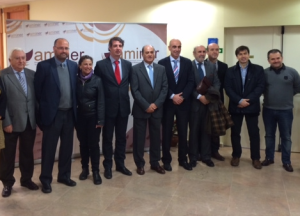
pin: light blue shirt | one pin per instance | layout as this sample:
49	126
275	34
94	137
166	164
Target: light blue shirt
22	73
147	69
204	72
114	65
178	64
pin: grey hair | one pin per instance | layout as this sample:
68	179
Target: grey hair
15	49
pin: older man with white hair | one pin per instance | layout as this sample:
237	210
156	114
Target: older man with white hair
19	122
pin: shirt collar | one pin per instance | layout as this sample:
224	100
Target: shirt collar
146	64
278	70
22	71
198	62
171	58
113	60
245	67
58	63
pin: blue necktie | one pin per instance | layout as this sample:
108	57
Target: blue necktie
151	75
176	70
201	73
22	82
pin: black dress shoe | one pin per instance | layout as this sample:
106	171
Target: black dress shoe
30	185
288	167
123	170
185	165
208	163
6	192
167	167
68	182
199	158
107	173
217	156
158	169
140	170
193	163
46	188
97	178
84	174
267	162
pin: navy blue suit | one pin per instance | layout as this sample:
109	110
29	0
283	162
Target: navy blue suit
54	122
185	85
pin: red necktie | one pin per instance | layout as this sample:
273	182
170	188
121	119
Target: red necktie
117	72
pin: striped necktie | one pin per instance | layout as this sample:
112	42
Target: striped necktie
22	82
175	70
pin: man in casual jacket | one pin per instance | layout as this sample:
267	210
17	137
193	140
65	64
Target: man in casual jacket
244	84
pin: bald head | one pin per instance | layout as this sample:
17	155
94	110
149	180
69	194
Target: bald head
175	48
213	52
199	53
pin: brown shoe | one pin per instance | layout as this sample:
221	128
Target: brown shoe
235	161
217	156
140	171
256	164
158	169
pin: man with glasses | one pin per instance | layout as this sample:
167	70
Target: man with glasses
55	82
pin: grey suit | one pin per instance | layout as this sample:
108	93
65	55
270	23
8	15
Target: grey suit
20	113
198	137
144	94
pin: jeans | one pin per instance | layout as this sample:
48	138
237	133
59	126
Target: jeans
284	119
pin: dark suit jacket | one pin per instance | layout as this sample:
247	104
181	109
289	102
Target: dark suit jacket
143	92
185	82
221	71
19	106
253	89
47	88
115	94
211	74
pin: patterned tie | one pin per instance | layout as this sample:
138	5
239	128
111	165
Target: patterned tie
22	82
201	73
117	72
176	70
151	75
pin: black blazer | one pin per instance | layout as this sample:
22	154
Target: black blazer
114	93
253	89
143	92
211	74
185	82
47	90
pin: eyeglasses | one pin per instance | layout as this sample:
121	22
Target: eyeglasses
62	48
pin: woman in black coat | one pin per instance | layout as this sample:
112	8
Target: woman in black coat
90	113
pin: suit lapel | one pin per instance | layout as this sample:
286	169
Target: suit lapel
29	84
111	72
55	72
197	75
155	74
145	73
181	69
170	69
15	81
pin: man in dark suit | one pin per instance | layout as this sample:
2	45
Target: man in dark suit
55	87
180	77
19	122
115	74
199	109
244	84
149	88
221	67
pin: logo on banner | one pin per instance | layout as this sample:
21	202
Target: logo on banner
36	25
34	34
29	56
51	24
15	35
67	23
52	32
69	31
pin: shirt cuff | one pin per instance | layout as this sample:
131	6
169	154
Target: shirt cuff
172	96
199	95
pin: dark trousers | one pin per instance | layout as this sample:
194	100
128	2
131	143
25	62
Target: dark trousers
26	159
253	131
119	125
181	123
139	137
88	136
63	128
215	144
199	139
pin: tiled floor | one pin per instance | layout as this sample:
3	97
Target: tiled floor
222	190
